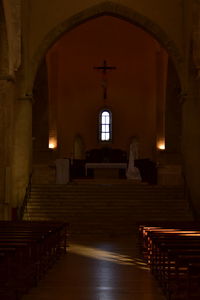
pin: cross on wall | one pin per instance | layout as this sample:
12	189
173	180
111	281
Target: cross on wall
104	68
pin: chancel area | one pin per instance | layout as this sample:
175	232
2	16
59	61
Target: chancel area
99	151
101	86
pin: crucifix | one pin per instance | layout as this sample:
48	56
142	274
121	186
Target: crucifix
104	68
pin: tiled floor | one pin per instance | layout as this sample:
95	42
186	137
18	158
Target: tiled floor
98	268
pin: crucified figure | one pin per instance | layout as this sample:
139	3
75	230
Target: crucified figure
104	68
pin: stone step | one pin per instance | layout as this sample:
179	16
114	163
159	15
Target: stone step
105	210
106	218
124	187
112	195
108	208
105	190
107	201
103	205
108	191
106	186
108	204
111	200
102	210
104	222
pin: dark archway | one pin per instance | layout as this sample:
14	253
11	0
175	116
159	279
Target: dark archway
107	8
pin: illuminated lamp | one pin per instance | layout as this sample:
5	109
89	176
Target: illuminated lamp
52	143
161	145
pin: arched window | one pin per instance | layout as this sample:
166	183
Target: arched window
105	126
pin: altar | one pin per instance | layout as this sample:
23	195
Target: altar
105	170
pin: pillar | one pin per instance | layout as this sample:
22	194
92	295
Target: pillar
7	96
22	151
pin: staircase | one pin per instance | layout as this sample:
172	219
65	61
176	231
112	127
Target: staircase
110	205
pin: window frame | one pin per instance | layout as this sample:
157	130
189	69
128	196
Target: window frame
101	125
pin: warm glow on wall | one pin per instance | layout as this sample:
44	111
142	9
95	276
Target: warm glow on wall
161	145
52	143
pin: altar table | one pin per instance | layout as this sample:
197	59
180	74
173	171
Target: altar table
105	170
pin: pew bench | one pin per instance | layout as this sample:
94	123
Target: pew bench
27	251
173	255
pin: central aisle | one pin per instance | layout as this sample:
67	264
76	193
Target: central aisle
99	267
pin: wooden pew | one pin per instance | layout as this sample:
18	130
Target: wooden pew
27	250
173	255
165	225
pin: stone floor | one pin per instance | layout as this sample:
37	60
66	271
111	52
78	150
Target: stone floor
99	268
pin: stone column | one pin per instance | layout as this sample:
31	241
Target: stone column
22	151
191	142
7	95
191	113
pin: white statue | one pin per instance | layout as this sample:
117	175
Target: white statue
132	171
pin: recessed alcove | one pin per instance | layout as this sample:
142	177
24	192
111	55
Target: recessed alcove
73	92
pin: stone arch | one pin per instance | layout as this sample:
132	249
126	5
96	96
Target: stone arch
110	9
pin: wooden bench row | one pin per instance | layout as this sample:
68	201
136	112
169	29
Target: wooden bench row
173	255
27	250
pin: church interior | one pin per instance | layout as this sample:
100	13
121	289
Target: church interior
99	152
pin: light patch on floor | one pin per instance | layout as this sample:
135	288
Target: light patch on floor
107	256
